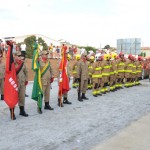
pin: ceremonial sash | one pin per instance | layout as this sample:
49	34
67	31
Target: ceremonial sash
46	67
19	69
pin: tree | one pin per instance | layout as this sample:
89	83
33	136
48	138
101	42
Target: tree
107	47
29	41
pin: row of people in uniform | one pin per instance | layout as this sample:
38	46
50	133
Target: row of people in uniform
109	72
87	73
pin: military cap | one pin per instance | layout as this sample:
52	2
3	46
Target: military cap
44	53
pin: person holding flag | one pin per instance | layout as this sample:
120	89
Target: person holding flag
64	78
65	95
47	78
10	83
43	78
22	77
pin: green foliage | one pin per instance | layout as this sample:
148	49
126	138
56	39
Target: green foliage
42	42
144	54
89	48
107	47
29	41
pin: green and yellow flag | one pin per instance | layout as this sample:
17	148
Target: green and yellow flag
37	93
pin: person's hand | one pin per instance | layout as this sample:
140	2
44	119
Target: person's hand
26	83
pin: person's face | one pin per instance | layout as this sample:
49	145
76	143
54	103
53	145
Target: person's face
45	55
18	59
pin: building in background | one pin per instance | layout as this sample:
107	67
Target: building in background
129	46
146	50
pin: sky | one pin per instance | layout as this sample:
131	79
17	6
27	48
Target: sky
83	22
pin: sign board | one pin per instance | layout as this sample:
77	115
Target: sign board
129	46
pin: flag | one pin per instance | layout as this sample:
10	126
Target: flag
63	79
37	93
10	83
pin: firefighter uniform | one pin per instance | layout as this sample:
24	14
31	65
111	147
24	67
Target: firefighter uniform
96	76
105	73
138	70
121	70
133	72
91	60
2	75
128	71
113	72
74	72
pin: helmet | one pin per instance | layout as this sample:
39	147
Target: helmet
78	56
121	54
106	56
68	56
114	55
130	56
91	57
140	58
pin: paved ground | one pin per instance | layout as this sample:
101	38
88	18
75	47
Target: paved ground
135	137
80	126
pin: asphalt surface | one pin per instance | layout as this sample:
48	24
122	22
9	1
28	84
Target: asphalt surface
79	126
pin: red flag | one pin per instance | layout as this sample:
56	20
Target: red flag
10	83
63	80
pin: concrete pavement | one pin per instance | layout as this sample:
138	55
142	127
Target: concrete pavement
135	137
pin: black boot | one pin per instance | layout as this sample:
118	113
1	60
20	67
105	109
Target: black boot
47	106
39	110
2	97
65	101
22	111
60	103
79	98
12	115
83	96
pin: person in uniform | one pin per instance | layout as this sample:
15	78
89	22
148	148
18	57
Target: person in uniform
105	73
22	79
113	73
91	61
47	78
96	77
82	75
121	73
75	83
2	75
65	96
128	71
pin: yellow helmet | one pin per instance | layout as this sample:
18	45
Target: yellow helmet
91	57
78	56
106	56
68	56
114	55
